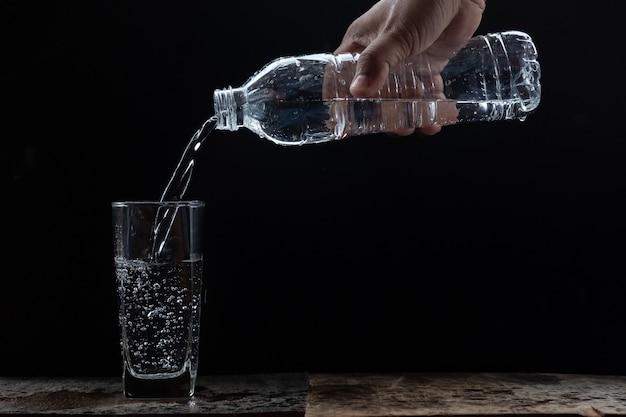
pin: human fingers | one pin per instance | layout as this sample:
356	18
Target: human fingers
402	28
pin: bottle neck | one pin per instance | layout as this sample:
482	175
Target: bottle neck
228	108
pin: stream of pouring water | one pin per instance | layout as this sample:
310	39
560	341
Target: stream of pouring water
177	186
179	180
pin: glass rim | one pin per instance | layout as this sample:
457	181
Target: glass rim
165	203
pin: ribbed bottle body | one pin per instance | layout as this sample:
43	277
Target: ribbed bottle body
306	99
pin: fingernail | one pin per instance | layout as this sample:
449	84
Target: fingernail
360	82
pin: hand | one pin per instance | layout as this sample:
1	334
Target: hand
394	30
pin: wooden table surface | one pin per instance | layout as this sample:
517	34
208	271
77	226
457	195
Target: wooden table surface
332	395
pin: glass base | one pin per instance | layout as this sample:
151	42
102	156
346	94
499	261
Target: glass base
182	386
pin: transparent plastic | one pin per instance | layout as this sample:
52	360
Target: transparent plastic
306	99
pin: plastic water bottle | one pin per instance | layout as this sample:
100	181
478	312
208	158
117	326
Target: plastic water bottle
306	99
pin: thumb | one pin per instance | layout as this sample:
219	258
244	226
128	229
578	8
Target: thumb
372	67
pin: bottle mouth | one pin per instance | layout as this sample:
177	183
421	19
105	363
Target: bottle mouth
225	109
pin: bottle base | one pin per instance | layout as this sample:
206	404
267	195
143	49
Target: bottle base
181	386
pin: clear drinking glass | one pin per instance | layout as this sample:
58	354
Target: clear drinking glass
158	266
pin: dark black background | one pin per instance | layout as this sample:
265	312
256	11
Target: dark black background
489	247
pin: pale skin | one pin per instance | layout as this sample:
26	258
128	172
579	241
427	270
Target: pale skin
392	31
